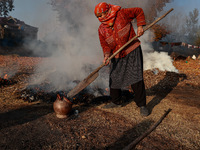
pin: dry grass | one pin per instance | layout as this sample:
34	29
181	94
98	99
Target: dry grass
34	125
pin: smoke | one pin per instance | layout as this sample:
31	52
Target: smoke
154	59
74	50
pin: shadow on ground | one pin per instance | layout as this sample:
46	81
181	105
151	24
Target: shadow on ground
163	88
130	135
24	115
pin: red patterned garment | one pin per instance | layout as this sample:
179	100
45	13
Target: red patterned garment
112	38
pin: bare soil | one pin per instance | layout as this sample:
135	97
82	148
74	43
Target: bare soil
25	125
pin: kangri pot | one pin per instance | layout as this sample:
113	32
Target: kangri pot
62	107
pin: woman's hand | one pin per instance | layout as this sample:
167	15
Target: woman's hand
105	58
140	31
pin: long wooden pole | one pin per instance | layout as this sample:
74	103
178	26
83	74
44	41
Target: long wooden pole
140	138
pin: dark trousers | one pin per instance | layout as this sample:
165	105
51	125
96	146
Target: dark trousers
139	90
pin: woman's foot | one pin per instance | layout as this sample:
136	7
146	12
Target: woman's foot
144	111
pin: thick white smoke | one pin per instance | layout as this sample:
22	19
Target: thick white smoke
154	59
75	49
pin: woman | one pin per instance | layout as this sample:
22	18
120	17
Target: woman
127	67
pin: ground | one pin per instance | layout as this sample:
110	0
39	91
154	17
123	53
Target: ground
25	125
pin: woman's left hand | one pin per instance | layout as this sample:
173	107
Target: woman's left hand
105	60
140	31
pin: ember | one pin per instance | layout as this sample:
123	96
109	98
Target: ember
5	81
5	76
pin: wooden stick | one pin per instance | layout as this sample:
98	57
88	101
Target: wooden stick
140	138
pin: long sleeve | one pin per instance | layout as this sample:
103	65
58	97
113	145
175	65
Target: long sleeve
137	13
104	44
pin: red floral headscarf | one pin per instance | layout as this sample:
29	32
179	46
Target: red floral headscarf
109	19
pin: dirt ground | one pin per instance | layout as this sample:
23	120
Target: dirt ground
25	125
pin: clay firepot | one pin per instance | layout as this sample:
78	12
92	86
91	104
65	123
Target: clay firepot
62	107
